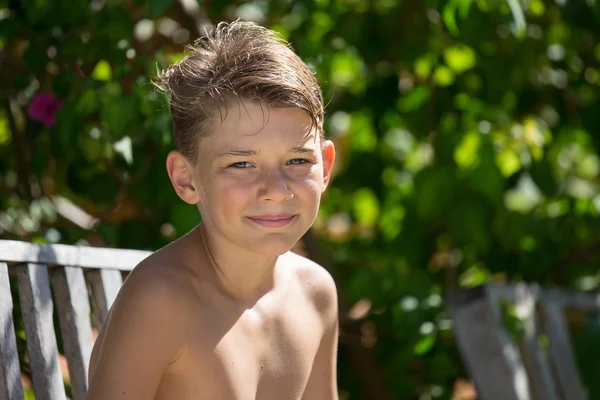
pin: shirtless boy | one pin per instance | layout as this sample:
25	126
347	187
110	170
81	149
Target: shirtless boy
227	312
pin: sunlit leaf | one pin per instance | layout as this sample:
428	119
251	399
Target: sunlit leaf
537	7
460	58
4	130
390	222
425	344
508	161
424	65
345	68
443	76
466	153
474	276
102	71
366	206
451	9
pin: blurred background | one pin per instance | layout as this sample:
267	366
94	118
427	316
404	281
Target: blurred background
467	133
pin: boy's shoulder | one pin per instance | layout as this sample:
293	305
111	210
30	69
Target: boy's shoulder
159	277
316	282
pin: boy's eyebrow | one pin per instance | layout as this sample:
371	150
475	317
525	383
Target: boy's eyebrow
243	153
303	150
247	153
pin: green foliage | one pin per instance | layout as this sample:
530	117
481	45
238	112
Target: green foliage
466	132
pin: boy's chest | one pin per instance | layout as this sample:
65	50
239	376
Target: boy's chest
257	354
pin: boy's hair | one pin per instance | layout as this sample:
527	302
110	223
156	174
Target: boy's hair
235	62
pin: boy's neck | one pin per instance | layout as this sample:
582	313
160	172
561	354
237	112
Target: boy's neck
242	275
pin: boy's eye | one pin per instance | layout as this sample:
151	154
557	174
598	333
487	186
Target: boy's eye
241	165
298	161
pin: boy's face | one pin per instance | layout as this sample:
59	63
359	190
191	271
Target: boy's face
259	177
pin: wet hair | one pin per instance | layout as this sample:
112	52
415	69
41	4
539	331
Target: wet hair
235	62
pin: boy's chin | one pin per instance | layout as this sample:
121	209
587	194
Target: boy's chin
273	246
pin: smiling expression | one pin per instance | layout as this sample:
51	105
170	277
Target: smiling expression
260	175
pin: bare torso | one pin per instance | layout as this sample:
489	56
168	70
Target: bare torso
259	351
264	352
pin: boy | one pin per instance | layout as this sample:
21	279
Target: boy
227	311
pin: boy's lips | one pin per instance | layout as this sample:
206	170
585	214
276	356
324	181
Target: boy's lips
272	221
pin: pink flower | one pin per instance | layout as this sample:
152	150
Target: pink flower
43	108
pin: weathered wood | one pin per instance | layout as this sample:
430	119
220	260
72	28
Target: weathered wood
58	254
562	352
74	315
37	309
10	372
571	299
104	285
535	359
491	357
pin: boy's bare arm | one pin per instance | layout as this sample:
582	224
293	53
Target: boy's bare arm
145	332
322	383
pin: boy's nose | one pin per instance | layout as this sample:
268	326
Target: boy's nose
274	188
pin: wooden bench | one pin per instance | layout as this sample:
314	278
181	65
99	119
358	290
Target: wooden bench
68	276
503	368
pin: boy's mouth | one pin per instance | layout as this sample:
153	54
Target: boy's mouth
273	221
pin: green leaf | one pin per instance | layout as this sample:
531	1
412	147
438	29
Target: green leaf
390	222
475	275
508	161
5	133
425	344
460	58
415	99
364	137
345	68
159	7
466	154
87	102
449	13
102	71
366	206
424	65
443	76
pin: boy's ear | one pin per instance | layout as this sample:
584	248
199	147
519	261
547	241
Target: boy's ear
182	177
328	161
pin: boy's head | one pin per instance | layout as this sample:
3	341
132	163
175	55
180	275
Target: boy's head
248	115
239	61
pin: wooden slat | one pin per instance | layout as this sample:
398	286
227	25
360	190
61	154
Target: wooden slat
74	316
104	285
565	298
37	309
491	358
535	359
562	352
58	254
10	371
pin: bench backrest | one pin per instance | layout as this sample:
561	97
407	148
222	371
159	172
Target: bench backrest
505	369
76	274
